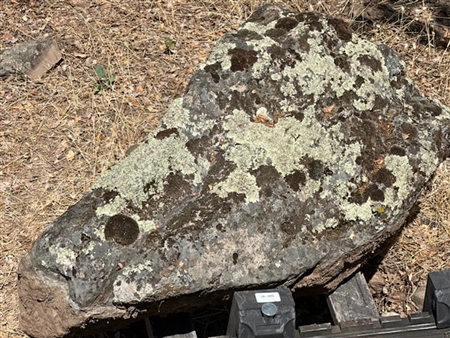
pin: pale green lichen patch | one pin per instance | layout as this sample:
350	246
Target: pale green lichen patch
261	45
220	54
239	182
136	268
258	28
126	290
63	256
310	188
99	232
316	73
142	174
179	117
403	172
144	225
275	77
288	89
353	211
376	81
323	223
264	61
112	208
176	116
88	249
429	162
260	67
254	144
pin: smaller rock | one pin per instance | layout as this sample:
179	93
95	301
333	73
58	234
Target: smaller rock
32	59
418	297
376	283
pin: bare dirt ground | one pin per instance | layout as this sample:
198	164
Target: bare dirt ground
57	136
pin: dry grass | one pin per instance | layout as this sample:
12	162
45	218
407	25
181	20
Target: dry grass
56	136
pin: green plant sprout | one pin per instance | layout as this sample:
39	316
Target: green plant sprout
105	79
170	46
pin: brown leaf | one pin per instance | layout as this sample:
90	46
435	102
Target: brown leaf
260	118
329	109
134	101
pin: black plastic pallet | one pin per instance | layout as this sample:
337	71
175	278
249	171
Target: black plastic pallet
271	314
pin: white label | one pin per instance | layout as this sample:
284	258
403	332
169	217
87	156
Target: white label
266	297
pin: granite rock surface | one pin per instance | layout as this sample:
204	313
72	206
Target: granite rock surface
296	151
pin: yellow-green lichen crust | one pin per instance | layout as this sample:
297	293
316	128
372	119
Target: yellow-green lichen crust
142	174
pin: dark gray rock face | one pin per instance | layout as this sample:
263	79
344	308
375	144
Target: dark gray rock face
296	151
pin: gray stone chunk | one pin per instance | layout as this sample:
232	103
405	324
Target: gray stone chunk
392	61
32	58
295	152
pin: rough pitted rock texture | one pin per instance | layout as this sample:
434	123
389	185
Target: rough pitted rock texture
296	151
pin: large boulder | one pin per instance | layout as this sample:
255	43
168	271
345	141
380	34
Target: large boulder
296	151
